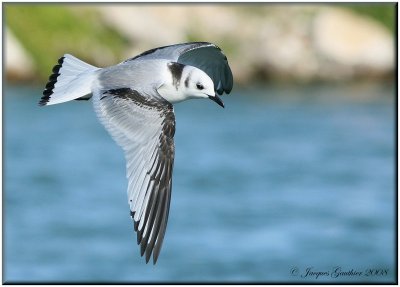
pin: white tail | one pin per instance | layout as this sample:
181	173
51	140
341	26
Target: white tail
71	79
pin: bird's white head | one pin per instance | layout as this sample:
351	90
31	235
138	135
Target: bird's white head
187	82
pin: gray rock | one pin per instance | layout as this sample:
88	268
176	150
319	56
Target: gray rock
18	63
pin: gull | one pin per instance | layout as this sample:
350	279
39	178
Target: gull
134	101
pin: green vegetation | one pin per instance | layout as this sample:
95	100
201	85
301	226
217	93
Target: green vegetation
48	31
382	12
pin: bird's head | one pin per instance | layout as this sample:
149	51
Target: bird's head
188	82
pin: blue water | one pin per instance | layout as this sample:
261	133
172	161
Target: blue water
282	180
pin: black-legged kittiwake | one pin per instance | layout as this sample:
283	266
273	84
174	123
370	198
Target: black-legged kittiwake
133	100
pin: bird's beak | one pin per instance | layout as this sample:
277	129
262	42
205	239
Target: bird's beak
217	99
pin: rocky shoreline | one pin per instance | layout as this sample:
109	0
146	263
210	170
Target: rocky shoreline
317	43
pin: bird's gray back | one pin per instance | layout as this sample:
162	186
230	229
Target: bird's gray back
142	76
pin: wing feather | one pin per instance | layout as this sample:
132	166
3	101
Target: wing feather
144	128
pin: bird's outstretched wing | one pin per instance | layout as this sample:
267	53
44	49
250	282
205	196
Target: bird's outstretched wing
144	128
203	55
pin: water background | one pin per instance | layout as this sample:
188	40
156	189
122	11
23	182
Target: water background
281	180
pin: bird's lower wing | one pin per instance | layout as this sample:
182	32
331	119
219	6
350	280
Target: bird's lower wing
144	128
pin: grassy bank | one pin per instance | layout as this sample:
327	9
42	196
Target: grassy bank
384	13
48	31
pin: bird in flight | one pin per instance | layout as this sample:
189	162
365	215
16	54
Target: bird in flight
134	101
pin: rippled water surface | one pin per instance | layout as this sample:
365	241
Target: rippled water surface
281	185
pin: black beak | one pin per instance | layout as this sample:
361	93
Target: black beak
217	100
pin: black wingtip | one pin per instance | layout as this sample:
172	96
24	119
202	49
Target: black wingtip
148	254
155	257
48	91
142	248
139	236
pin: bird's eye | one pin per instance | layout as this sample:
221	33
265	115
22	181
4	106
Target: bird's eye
199	86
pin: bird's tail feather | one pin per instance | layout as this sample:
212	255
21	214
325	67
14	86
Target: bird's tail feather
71	79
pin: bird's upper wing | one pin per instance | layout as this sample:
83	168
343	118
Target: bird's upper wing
144	128
203	55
